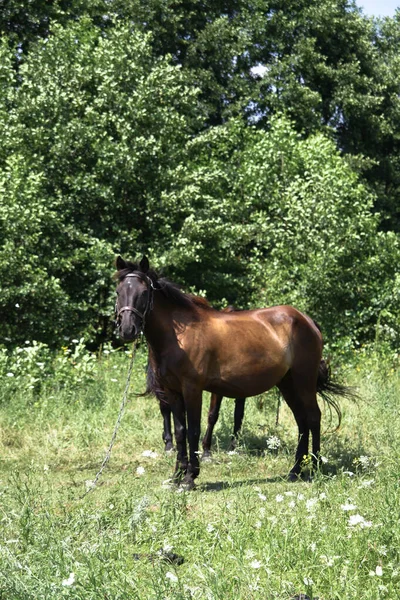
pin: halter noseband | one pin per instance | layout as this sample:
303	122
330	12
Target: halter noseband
149	305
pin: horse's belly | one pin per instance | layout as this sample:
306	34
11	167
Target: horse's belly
240	385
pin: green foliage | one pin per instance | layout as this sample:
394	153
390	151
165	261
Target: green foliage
32	368
270	218
91	129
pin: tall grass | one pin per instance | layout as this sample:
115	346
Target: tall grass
244	533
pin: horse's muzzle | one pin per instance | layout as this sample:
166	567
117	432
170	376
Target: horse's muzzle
128	334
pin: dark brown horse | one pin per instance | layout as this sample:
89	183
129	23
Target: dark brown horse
239	354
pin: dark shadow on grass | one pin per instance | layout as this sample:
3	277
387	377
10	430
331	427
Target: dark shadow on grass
218	486
342	454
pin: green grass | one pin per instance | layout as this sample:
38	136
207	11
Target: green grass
244	533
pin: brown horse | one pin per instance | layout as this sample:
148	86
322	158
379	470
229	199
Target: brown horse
195	347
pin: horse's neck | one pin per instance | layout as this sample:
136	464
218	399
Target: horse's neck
163	322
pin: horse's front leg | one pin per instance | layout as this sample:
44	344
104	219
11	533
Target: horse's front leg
193	401
178	411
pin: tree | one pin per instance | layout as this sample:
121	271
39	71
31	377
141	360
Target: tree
92	125
269	217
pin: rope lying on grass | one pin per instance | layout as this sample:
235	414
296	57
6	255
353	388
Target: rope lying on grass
92	484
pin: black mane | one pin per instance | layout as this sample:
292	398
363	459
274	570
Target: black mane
168	288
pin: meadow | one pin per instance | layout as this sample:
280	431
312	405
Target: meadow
244	533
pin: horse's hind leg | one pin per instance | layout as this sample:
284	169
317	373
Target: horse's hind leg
167	431
302	400
193	401
238	420
213	414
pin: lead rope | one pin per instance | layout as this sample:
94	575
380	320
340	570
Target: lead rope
277	410
92	484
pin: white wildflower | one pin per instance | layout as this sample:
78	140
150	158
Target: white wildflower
347	507
379	571
70	581
10	374
323	459
364	462
356	520
310	504
255	564
279	498
359	520
114	380
262	496
210	528
171	576
273	442
308	581
149	454
323	496
313	546
258	524
167	547
140	470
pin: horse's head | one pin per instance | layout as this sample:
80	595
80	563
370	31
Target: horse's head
134	298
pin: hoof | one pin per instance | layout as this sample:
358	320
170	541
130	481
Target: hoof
206	456
188	484
169	447
187	487
294	477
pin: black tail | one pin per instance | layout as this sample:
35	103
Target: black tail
327	388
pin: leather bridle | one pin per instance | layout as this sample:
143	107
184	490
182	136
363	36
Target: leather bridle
148	307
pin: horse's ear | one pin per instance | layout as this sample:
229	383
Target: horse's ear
120	263
144	264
